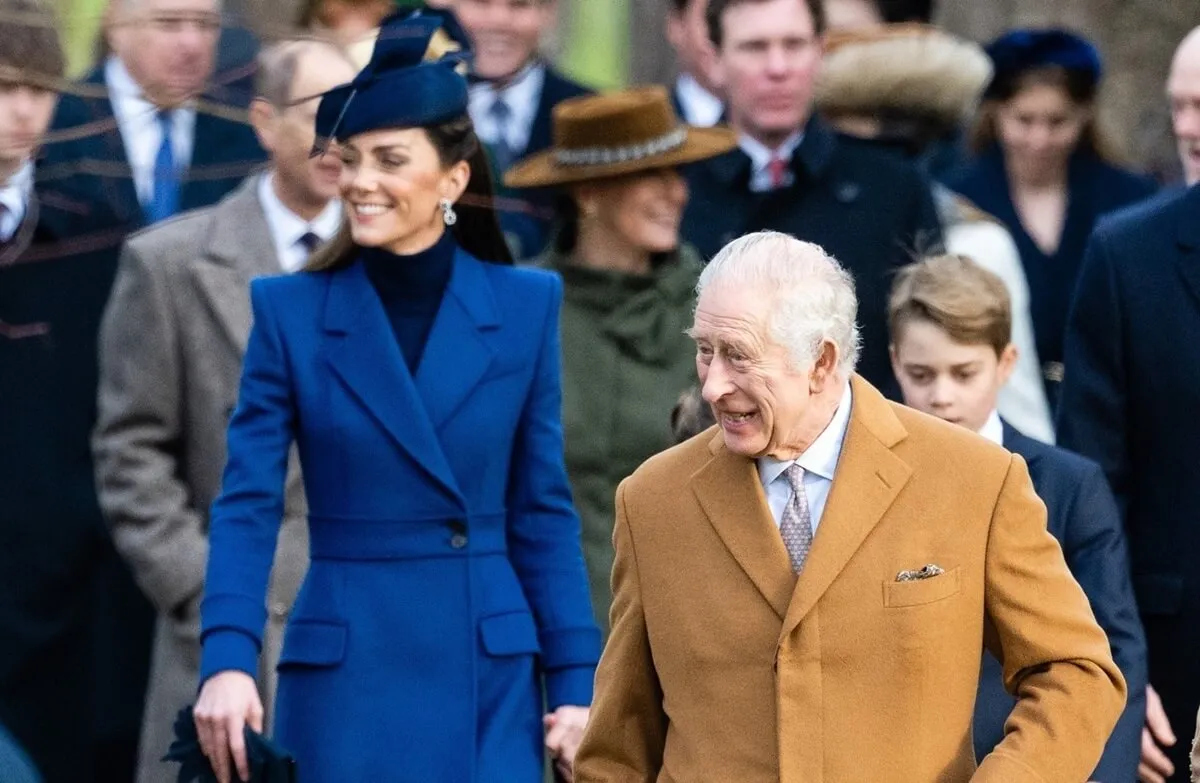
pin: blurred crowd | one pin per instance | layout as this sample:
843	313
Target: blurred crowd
137	203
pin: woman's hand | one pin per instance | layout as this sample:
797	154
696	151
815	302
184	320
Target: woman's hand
564	732
228	703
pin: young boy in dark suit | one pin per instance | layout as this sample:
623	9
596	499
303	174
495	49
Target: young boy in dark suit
950	322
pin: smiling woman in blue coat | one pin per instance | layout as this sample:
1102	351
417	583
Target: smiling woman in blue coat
417	372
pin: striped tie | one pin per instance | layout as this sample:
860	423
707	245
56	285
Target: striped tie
796	525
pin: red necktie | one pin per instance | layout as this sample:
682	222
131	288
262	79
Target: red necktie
777	169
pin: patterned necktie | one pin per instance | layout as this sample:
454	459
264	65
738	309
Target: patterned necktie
164	202
796	525
502	153
777	171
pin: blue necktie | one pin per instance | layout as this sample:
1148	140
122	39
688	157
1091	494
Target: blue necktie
165	200
503	155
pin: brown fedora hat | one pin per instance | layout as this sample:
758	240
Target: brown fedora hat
598	136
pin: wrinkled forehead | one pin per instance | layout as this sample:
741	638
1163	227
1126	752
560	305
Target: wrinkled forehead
731	313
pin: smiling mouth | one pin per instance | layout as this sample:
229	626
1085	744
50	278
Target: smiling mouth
370	210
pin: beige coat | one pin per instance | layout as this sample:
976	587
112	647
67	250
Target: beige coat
171	349
722	666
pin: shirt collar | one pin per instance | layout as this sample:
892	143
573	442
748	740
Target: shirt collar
524	86
700	105
14	195
821	456
760	154
286	226
993	429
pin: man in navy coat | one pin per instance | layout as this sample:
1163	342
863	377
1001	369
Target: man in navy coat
951	325
1130	399
790	173
513	93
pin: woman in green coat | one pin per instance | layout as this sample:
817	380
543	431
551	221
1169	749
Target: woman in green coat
628	288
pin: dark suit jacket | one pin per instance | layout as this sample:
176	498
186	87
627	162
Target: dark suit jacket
1130	402
54	280
527	214
866	207
1082	515
94	167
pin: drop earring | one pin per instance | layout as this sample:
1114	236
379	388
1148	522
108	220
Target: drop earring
449	217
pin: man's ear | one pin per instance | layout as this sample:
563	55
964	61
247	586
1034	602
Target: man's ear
824	369
262	119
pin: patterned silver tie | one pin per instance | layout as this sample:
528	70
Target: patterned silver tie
796	525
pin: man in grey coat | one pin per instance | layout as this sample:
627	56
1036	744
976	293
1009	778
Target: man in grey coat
171	349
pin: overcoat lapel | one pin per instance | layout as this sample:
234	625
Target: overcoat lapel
869	476
363	352
240	250
457	354
1189	242
729	491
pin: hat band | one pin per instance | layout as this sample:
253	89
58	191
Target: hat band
604	156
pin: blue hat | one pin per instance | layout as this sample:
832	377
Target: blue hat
400	87
1021	50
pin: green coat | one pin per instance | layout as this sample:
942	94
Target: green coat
626	360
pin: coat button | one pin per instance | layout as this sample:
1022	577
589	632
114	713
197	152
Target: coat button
458	541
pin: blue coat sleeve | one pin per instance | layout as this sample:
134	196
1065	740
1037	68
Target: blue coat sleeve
1091	413
1096	552
543	530
245	519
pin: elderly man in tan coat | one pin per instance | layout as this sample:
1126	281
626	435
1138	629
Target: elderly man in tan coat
803	593
171	350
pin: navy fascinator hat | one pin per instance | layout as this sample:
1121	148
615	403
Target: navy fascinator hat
1022	50
414	79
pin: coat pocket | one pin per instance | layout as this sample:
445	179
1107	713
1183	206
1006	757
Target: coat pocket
511	633
922	591
314	643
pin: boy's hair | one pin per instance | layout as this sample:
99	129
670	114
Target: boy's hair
30	50
961	298
691	416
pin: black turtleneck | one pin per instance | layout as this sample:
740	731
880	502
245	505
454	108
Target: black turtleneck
411	289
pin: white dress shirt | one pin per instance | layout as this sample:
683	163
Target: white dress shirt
700	107
14	200
137	119
287	227
993	429
819	461
522	95
761	157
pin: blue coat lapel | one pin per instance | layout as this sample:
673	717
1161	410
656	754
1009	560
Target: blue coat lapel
457	354
363	351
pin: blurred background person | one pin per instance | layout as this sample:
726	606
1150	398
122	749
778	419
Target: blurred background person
139	137
791	173
165	392
951	326
1183	91
513	94
628	292
907	89
164	148
446	604
1129	402
1046	170
696	94
691	415
57	258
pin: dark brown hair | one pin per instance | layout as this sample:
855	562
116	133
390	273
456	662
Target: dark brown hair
477	230
966	301
30	49
715	13
691	416
1078	86
311	11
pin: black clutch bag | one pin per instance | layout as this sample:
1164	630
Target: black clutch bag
268	762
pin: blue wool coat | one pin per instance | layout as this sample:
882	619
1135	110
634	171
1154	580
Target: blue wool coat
447	583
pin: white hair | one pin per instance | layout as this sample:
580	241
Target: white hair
813	299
